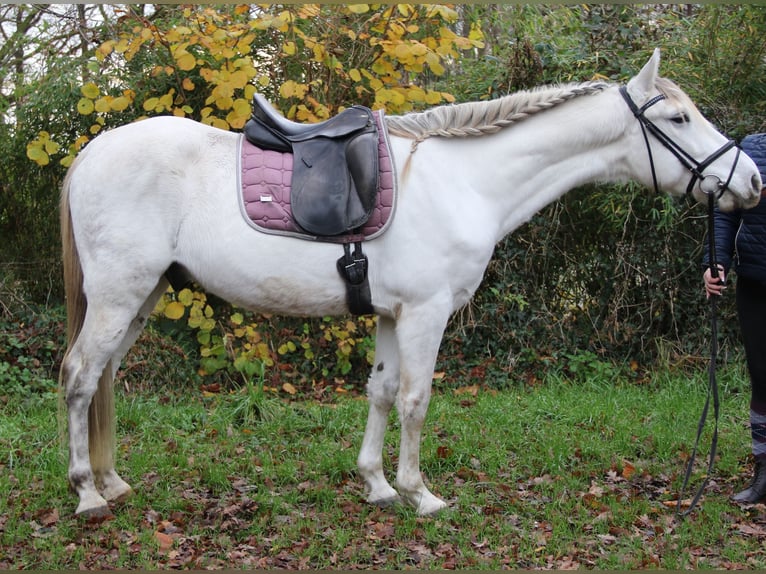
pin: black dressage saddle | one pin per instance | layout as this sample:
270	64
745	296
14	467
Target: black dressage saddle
335	165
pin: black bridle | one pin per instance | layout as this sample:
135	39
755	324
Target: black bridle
695	167
713	193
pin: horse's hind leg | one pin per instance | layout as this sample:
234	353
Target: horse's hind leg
381	390
112	487
108	330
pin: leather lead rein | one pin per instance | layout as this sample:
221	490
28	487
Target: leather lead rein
712	389
696	168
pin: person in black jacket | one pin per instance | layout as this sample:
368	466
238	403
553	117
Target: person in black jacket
740	242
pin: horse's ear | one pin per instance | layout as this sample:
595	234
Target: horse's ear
641	85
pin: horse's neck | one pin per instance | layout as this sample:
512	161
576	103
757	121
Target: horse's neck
525	167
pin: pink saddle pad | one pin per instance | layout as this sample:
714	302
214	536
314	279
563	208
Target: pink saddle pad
265	178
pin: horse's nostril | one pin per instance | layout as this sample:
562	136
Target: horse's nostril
756	183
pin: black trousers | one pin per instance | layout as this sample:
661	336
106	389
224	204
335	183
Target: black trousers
751	309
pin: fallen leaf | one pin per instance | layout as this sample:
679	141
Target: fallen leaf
289	389
749	530
686	503
472	390
49	517
165	541
628	470
443	452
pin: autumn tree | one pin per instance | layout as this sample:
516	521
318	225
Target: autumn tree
311	60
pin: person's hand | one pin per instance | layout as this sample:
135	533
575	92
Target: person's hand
714	285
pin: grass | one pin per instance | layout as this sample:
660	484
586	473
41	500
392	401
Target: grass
559	475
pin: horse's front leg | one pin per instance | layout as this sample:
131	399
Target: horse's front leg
419	333
381	393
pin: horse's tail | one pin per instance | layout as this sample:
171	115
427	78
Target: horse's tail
101	418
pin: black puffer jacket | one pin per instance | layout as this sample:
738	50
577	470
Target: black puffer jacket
740	236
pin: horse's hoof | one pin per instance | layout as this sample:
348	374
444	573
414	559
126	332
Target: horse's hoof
430	505
118	495
94	513
433	509
386	502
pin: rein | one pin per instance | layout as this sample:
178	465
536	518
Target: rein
713	193
712	389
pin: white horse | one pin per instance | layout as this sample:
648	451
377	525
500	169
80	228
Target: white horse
162	191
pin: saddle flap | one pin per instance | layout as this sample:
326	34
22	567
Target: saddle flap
334	190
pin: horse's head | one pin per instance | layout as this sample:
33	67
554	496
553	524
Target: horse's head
686	154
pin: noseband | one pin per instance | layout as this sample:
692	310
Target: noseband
696	168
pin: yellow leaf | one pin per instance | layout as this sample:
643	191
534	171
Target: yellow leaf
90	90
85	106
102	105
289	389
434	63
404	9
217	123
358	8
319	52
476	33
446	13
403	51
237	121
416	95
237	318
120	103
433	97
187	84
174	310
288	48
239	79
105	49
79	142
355	75
293	89
224	103
241	107
50	146
186	61
151	104
167	99
186	296
37	155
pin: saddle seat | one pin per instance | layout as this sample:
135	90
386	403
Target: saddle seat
347	121
335	165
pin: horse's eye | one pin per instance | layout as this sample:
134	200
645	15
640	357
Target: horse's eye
682	118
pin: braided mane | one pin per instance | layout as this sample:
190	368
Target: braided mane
486	117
